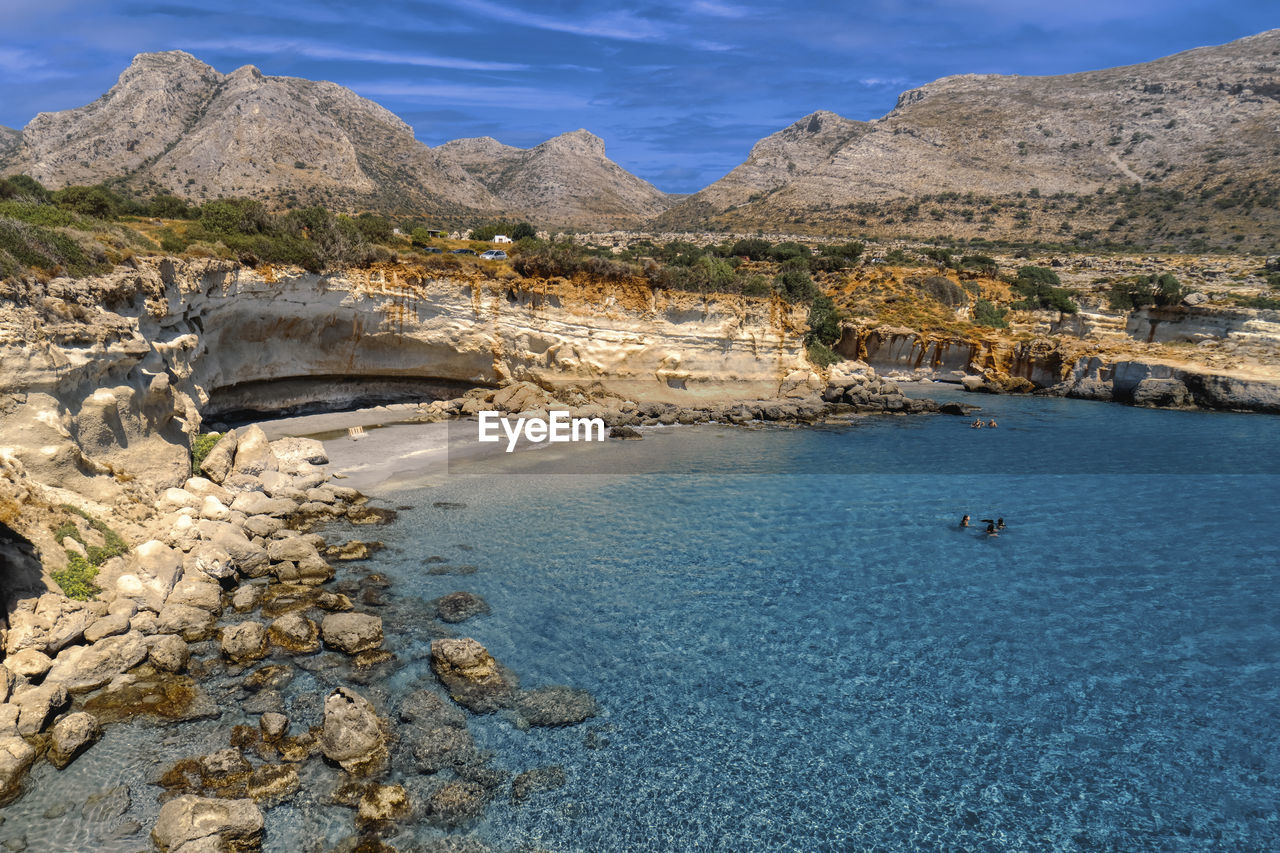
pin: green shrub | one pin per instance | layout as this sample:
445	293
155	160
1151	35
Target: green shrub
794	282
755	248
77	579
824	321
201	445
1141	291
1040	288
822	355
97	201
987	314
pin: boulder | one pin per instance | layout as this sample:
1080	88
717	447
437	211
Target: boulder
106	626
85	668
38	705
203	593
459	607
151	574
262	525
174	498
272	783
353	735
435	749
473	678
16	758
249	559
191	824
247	597
253	453
425	709
245	642
208	560
257	503
28	663
72	735
202	488
214	509
274	726
295	454
295	633
169	653
308	567
353	550
217	464
352	632
192	623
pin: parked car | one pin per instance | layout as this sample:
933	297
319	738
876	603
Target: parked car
494	255
463	252
432	250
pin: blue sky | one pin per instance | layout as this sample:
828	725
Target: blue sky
678	89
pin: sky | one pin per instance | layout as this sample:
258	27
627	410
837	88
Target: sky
678	89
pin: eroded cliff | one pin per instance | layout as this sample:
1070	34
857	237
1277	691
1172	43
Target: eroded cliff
110	375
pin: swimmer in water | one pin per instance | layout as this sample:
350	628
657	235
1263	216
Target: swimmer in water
991	530
964	522
992	424
977	424
999	524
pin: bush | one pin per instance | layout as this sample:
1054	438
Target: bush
23	187
1135	293
29	246
165	206
77	579
794	283
201	445
1039	287
824	321
822	355
789	250
227	216
375	228
96	201
755	248
987	314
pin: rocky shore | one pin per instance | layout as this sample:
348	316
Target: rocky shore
229	579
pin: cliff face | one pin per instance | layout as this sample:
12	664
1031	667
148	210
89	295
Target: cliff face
106	375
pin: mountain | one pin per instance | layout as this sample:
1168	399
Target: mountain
1198	127
565	175
173	123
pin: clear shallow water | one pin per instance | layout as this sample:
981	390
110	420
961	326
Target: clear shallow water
822	660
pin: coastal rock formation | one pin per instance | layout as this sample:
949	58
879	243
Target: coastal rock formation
72	735
555	705
352	633
178	340
459	607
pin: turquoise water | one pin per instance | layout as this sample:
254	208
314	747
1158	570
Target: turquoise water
795	647
825	661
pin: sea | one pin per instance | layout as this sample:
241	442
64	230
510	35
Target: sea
795	646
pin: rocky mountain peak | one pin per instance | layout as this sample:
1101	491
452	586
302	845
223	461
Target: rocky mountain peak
578	142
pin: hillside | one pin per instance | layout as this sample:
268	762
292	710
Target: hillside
172	123
1032	157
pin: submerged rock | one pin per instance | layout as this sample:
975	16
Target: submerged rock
16	758
353	735
441	747
459	606
295	633
245	642
190	824
541	779
555	705
454	804
381	804
169	653
473	678
353	550
170	697
271	783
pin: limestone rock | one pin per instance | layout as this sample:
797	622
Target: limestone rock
190	824
72	735
202	488
295	632
37	706
271	783
106	626
308	566
274	726
253	453
292	451
247	597
257	503
208	560
191	623
156	568
532	781
16	758
381	804
84	668
169	653
217	464
440	747
28	663
352	632
353	735
245	642
471	675
198	592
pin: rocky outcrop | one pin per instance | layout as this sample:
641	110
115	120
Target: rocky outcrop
119	386
352	633
72	735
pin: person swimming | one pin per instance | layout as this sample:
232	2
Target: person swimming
977	424
999	524
992	424
964	522
991	529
